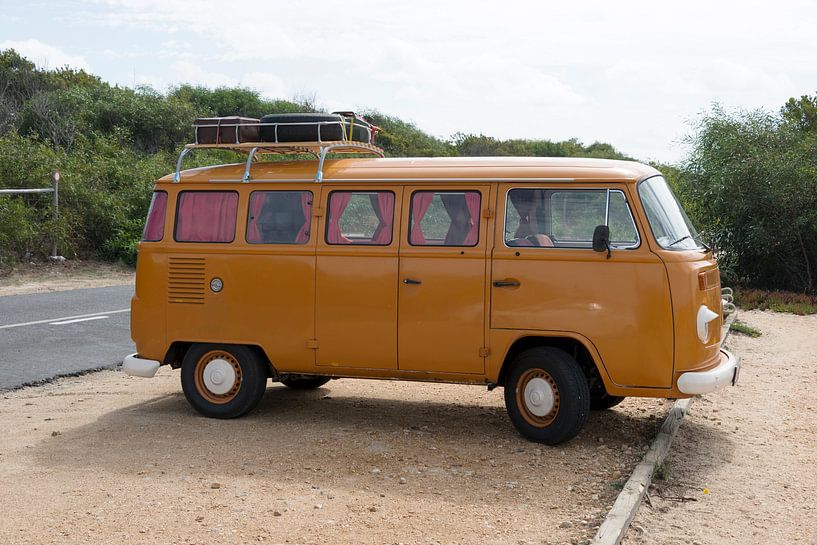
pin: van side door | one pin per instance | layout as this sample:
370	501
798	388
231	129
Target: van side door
356	277
547	278
442	286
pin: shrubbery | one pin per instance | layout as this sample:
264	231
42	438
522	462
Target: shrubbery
110	143
750	184
750	181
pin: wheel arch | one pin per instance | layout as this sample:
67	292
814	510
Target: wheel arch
580	349
178	349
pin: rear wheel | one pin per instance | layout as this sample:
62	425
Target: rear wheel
222	381
304	383
546	395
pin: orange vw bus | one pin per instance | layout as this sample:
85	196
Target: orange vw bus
572	283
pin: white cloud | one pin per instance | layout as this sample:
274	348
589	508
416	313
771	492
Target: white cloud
185	71
45	55
631	73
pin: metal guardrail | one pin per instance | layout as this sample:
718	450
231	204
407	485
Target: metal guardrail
55	202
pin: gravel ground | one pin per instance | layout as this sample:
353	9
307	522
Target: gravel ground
743	467
106	458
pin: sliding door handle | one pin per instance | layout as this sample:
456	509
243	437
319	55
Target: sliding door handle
506	283
411	281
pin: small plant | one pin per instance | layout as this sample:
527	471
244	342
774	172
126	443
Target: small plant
617	485
662	472
744	329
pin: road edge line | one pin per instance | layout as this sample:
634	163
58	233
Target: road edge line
618	520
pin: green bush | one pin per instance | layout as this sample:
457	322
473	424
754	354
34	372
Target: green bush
750	183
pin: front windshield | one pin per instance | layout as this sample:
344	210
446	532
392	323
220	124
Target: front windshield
669	222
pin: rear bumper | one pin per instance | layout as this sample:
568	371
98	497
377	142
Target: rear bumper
703	382
138	367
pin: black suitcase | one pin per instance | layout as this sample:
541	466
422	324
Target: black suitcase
313	127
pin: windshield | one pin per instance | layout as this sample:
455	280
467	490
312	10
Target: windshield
669	222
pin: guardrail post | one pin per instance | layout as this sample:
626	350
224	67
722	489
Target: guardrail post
55	201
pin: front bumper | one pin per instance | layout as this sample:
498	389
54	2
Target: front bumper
138	367
704	382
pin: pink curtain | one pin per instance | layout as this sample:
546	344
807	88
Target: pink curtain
206	216
306	206
338	202
419	206
472	201
523	202
256	205
155	225
383	206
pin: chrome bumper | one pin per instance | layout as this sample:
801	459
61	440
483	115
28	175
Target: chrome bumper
138	367
704	382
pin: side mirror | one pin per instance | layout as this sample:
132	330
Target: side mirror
601	239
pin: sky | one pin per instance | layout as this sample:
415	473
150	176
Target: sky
635	74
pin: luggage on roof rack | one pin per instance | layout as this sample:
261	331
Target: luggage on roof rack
316	127
227	130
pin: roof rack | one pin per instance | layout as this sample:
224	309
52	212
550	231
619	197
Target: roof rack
253	149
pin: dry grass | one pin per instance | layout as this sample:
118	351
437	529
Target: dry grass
778	301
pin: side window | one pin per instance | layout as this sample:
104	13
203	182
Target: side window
565	218
444	218
206	216
279	217
360	217
155	224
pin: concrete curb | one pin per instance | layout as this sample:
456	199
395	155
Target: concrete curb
618	520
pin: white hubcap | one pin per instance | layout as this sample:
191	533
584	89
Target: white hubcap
539	396
219	376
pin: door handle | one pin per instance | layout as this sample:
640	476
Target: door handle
411	281
506	283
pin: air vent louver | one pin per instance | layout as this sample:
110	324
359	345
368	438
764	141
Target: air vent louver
186	280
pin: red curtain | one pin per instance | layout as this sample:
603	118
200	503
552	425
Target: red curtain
306	206
206	216
523	202
472	201
383	206
155	225
256	205
338	202
419	206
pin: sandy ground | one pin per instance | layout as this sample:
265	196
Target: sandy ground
743	467
70	275
106	458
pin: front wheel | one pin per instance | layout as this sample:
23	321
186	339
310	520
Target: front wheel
546	395
222	381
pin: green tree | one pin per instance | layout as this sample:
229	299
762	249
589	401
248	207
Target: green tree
751	180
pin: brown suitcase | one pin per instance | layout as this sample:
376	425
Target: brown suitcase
226	130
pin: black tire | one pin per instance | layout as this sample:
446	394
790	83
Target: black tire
605	402
247	388
304	383
569	402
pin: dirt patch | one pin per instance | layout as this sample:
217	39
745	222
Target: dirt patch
69	275
111	459
742	467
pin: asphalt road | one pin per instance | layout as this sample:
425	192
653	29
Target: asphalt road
45	335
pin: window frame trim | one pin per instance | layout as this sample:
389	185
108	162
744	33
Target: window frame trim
367	244
634	246
176	215
249	210
164	220
411	216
